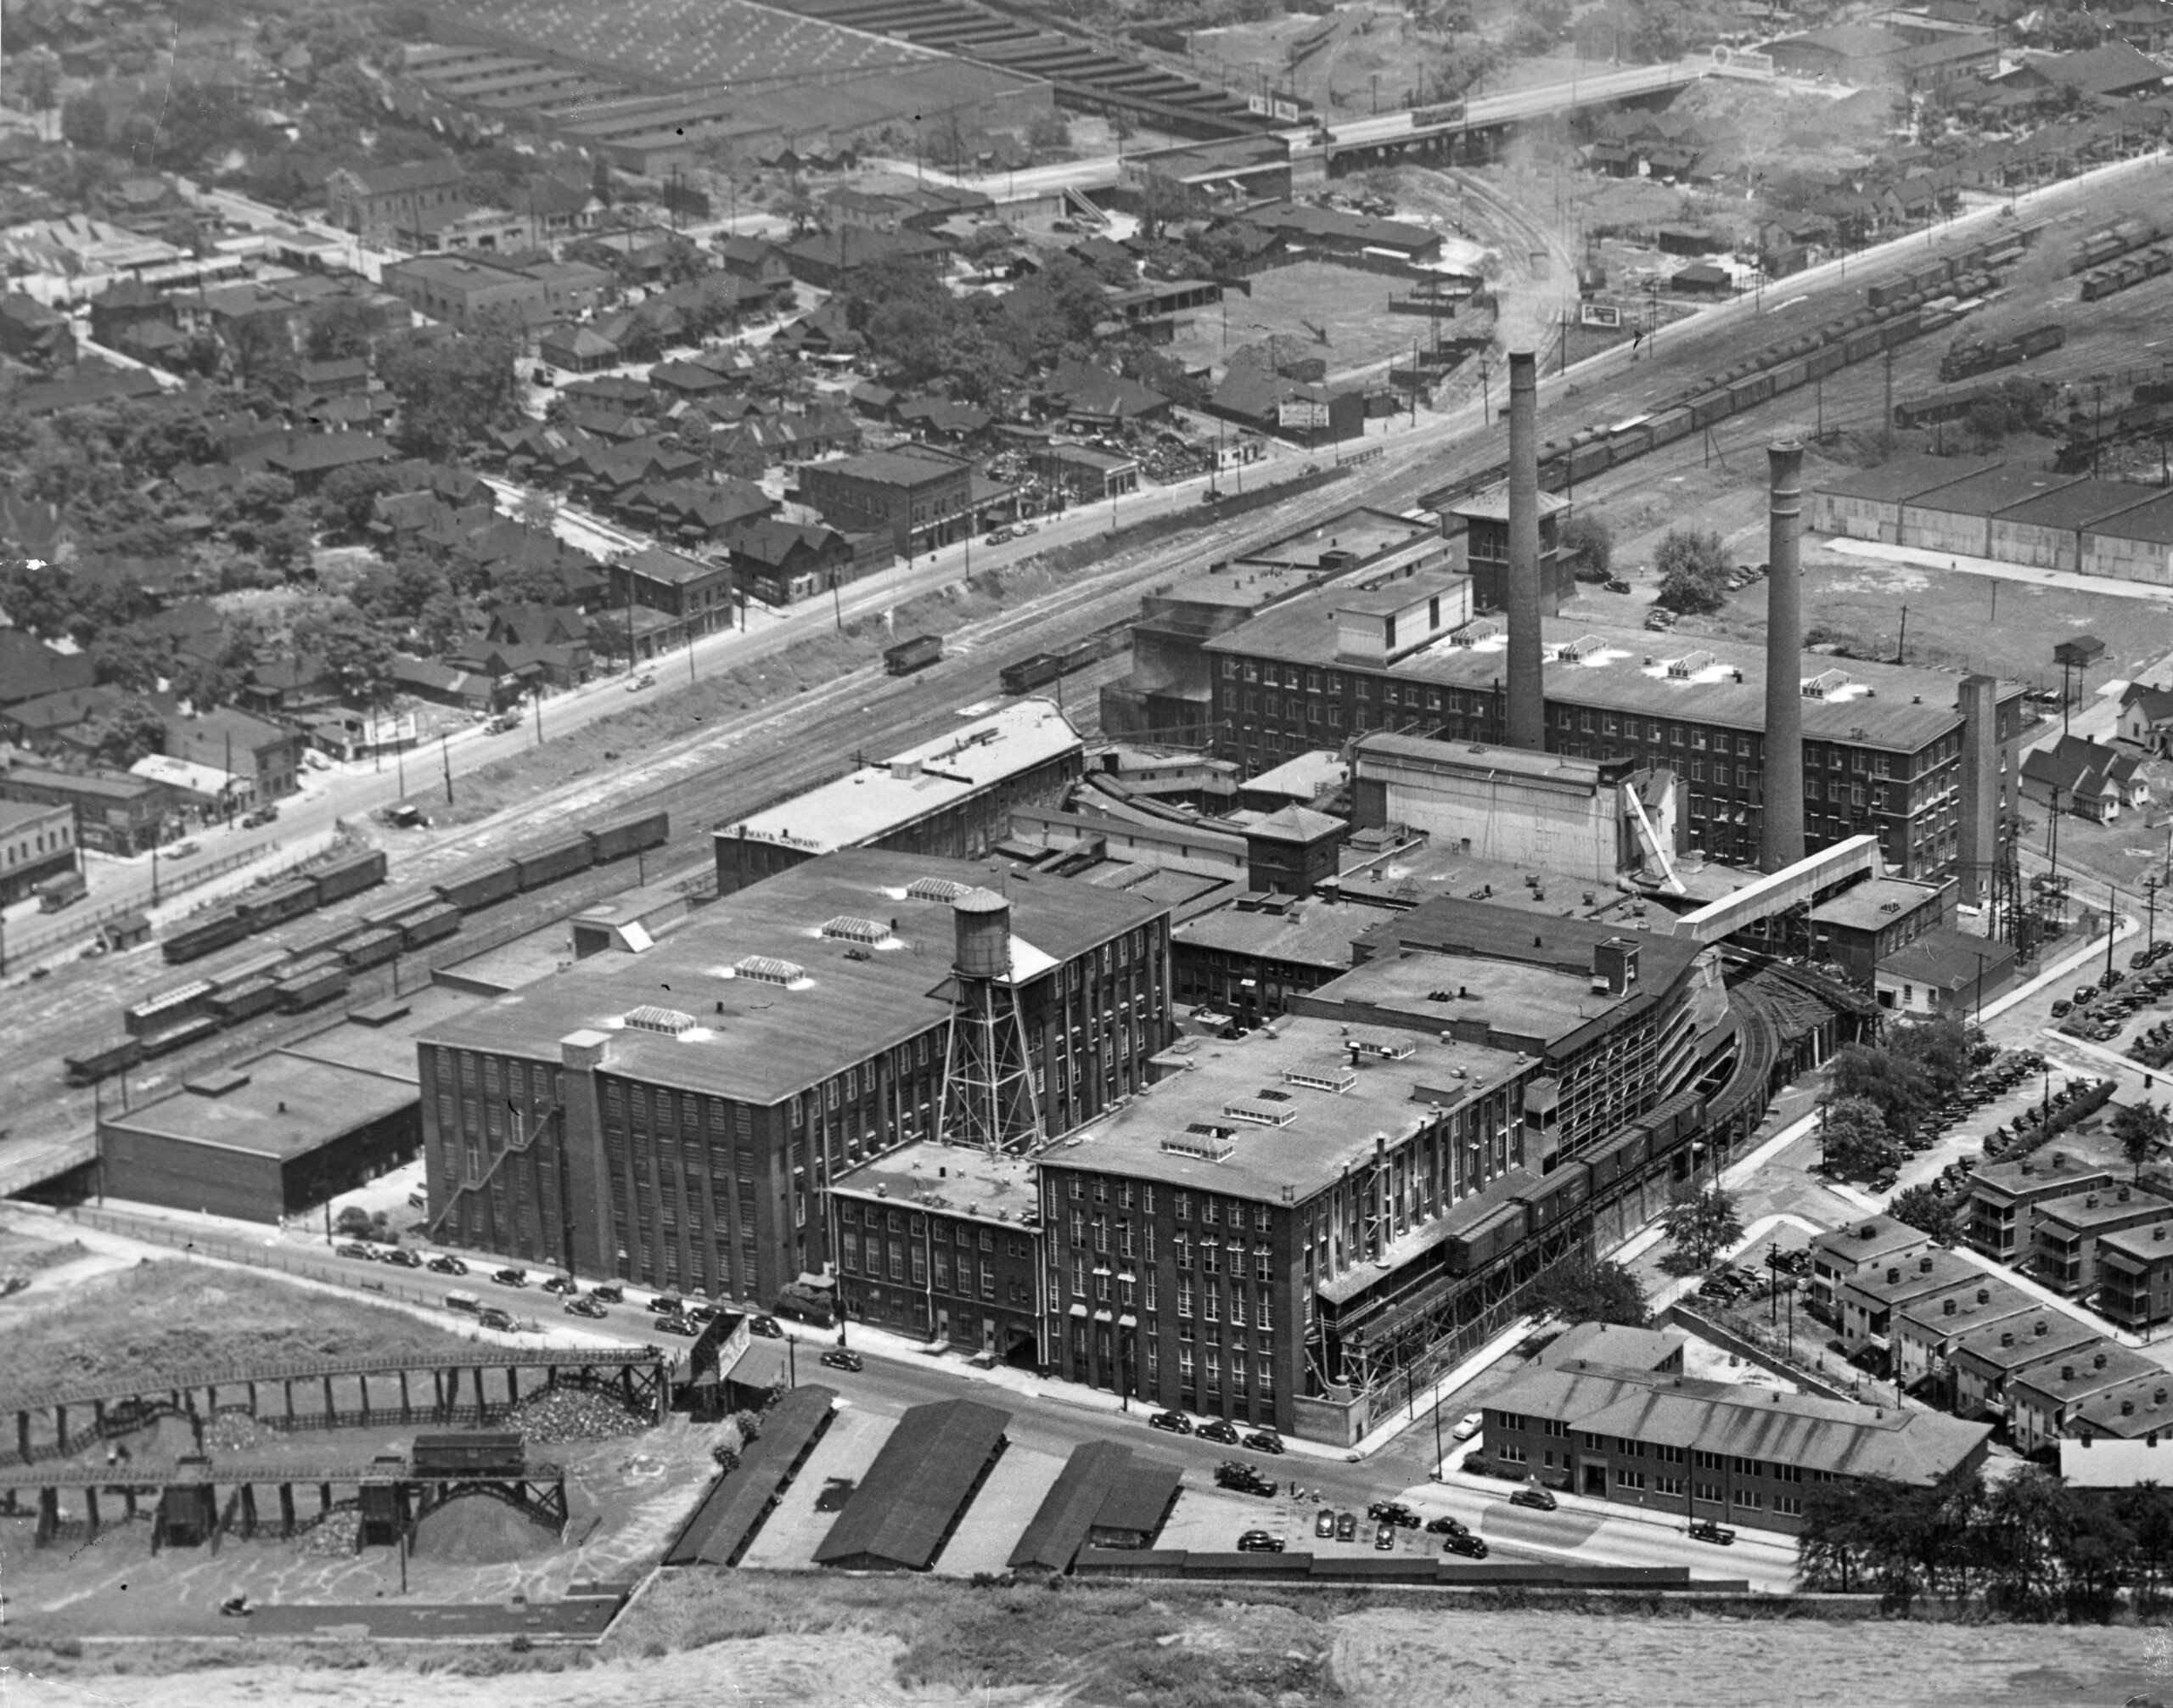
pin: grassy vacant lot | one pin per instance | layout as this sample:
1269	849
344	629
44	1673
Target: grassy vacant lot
164	1317
1351	307
738	1639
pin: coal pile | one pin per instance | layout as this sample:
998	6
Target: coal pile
573	1414
335	1537
231	1432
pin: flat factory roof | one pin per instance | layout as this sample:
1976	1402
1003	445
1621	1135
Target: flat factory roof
1874	902
773	1005
289	1106
1988	493
877	799
1900	479
956	1179
1325	1132
2080	505
1310	933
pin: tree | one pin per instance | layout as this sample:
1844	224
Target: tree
356	656
1699	1223
1048	134
451	388
1588	1291
338	329
1924	1208
1937	1048
1693	570
1587	537
130	732
1897	1084
84	122
2141	1130
797	205
1855	1139
39	79
536	511
347	501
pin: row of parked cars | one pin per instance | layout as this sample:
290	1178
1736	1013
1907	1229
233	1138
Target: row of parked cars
2097	1011
1219	1430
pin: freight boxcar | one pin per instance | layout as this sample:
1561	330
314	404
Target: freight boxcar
559	860
166	1007
1707	407
1492	1236
322	939
1864	341
1902	327
441	919
266	908
101	1060
341	878
396	905
312	989
1749	391
371	949
199	939
249	967
1559	1196
483	886
235	1002
1588	460
910	655
1827	358
1620	1158
625	836
1630	442
1883	296
179	1037
1787	375
1670	426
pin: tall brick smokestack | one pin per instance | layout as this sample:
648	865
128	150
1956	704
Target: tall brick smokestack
1780	835
1527	707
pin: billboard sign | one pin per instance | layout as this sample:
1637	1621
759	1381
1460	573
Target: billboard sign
1599	314
1300	412
1286	111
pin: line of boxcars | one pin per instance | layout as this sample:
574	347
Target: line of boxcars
2111	242
1896	313
315	966
2118	276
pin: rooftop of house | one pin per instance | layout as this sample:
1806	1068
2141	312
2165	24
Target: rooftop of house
1898	707
2093	1370
1837	1437
1872	1241
957	1180
2142	1247
780	985
14	814
893	469
1945	958
1612	1343
1961	1310
1259	1117
2048	1174
2018	1341
2118	1202
877	798
1914	1277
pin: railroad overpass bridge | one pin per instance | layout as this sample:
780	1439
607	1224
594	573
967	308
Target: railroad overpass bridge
1388	136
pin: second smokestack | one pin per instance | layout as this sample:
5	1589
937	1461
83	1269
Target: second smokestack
1527	706
1780	833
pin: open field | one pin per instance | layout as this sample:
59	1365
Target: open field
165	1317
1303	302
743	1638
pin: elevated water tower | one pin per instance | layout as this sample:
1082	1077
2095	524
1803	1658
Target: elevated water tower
988	1099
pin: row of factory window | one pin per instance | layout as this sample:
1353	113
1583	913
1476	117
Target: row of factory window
946	1229
900	1260
1197	1366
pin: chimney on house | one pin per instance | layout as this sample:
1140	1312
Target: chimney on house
1780	825
1527	702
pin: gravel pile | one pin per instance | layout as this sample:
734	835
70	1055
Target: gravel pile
573	1414
231	1432
335	1537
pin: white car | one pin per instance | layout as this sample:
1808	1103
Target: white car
1468	1425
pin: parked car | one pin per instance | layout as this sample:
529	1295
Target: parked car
510	1278
1615	584
668	1305
842	1358
1176	1423
181	851
1244	1479
1385	1538
1346	1526
1324	1524
496	1317
1464	1543
1705	1530
1259	1542
446	1265
402	1257
998	536
639	682
1469	1424
349	1248
1221	1430
679	1325
585	1307
610	1292
561	1284
1445	1526
1533	1495
262	814
1264	1441
1393	1512
764	1328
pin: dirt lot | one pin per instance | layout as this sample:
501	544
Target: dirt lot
744	1639
166	1316
1302	302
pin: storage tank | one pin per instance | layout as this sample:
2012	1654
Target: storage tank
984	923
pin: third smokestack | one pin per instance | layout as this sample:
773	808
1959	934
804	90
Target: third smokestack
1527	707
1780	835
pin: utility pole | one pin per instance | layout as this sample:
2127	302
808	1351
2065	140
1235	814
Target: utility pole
1886	421
445	754
2112	925
1901	649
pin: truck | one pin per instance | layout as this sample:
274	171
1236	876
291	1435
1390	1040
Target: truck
910	655
64	891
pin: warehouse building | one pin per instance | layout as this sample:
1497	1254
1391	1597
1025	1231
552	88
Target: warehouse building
1105	1496
698	1097
2137	545
1717	1451
1250	958
909	1505
1882	744
265	1139
950	798
1957	518
1866	503
2047	533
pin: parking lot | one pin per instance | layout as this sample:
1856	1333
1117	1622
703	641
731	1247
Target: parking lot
790	1534
1000	1513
